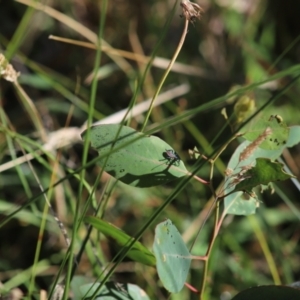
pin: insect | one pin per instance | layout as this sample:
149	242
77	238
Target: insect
172	157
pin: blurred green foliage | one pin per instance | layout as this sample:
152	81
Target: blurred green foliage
234	43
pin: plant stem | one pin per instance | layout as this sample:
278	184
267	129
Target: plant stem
210	246
185	30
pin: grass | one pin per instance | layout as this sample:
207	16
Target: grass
48	177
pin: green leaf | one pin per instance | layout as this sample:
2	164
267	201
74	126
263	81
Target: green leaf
113	291
264	172
294	137
76	283
278	137
235	203
173	259
137	253
238	204
271	292
134	158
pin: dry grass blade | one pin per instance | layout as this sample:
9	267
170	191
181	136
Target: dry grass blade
159	62
76	26
71	135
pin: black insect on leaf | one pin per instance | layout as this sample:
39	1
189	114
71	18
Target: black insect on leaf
172	157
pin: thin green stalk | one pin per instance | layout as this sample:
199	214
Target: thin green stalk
31	110
47	208
21	277
86	147
20	33
265	248
209	249
90	227
9	140
38	250
286	50
184	33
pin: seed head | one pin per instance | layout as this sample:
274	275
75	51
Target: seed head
191	11
7	71
254	145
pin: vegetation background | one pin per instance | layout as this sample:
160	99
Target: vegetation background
234	44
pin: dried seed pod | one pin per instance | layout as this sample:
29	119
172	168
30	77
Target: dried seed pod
191	11
7	71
